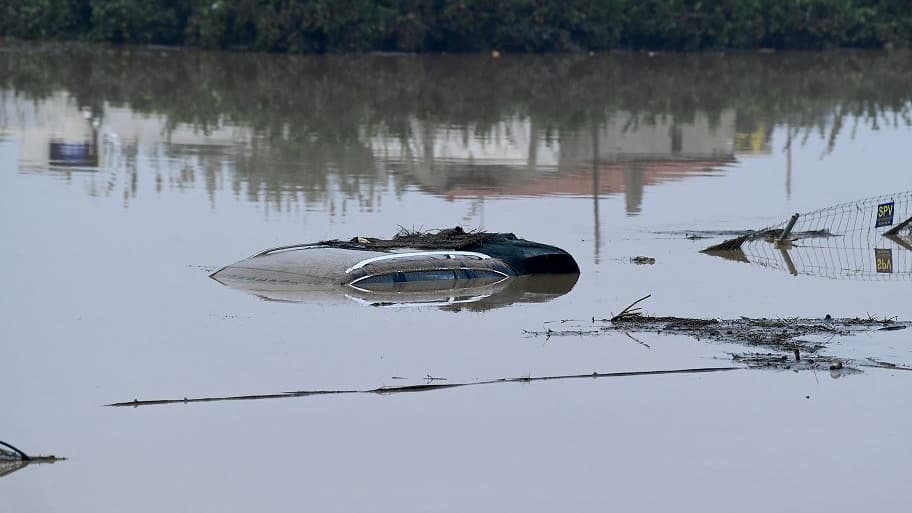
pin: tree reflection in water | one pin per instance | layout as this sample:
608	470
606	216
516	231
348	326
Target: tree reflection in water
306	130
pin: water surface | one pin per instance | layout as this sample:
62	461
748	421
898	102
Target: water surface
129	174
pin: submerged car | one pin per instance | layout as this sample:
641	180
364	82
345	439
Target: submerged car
448	267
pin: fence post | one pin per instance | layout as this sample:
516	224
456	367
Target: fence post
788	229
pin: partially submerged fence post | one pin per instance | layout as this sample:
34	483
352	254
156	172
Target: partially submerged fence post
788	230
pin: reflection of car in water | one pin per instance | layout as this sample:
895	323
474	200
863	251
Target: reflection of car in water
485	271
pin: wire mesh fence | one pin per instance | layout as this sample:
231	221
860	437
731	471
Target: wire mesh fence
869	239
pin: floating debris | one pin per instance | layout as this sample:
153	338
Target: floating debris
642	260
786	335
837	368
782	334
779	334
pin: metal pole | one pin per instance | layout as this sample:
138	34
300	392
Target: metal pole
788	229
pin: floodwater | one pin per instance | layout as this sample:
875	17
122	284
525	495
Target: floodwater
128	175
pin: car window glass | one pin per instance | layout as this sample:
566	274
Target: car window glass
434	275
478	274
378	279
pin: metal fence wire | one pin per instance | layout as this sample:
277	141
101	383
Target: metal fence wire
869	239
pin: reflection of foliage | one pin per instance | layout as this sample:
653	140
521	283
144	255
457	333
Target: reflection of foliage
467	25
332	98
319	111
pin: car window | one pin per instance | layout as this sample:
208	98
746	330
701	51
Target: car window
434	275
477	274
430	275
378	279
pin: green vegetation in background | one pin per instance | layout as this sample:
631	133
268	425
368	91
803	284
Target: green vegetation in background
466	25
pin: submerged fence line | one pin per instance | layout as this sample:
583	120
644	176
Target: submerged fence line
868	239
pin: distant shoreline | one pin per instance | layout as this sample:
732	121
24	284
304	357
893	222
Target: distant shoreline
14	43
467	26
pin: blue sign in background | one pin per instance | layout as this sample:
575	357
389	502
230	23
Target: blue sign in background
885	214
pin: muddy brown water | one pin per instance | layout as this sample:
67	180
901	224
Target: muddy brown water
128	175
